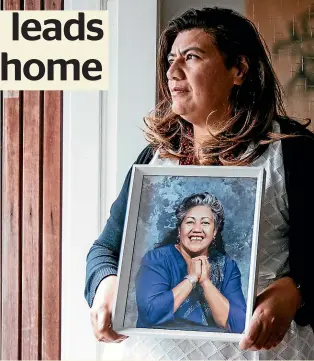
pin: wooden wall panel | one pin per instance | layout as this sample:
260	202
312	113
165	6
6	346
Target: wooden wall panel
51	300
11	220
31	218
31	227
52	181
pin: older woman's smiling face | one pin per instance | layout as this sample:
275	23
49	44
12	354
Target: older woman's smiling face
197	231
198	80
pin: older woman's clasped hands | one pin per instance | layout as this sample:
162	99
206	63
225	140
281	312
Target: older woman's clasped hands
198	267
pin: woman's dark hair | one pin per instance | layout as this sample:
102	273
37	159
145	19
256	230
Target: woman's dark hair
254	104
194	200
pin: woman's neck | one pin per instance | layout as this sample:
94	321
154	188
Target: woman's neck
213	124
188	255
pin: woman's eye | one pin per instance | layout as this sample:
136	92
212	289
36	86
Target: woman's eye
191	56
189	222
205	223
170	61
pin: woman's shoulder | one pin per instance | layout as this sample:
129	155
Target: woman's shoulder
146	155
230	263
159	254
291	126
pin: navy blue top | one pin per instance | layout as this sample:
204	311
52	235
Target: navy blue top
164	268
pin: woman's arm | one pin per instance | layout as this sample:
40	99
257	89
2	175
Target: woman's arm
156	300
184	288
154	296
232	290
218	304
228	307
102	259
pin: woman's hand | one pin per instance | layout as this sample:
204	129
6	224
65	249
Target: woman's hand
195	267
205	270
101	311
274	310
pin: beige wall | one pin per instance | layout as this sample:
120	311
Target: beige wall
287	27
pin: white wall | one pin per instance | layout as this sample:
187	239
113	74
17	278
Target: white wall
131	80
80	217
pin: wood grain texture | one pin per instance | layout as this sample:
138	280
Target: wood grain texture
11	223
31	227
52	216
31	220
32	4
52	180
11	5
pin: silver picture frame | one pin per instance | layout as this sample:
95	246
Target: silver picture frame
132	242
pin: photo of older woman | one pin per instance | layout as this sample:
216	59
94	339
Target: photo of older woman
188	281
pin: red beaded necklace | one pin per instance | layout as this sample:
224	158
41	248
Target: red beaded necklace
187	148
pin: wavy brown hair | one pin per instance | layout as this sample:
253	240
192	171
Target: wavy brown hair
253	105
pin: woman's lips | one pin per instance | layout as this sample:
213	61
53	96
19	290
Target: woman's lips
179	91
196	238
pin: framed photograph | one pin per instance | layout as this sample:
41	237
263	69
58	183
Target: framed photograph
188	258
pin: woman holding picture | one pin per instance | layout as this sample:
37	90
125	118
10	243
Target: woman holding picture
220	104
189	282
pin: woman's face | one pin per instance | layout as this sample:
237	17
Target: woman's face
198	80
197	231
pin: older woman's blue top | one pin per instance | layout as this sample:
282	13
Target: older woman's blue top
164	268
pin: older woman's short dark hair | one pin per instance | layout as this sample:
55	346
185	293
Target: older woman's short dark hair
202	199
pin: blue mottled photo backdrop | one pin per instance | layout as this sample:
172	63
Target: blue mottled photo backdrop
159	199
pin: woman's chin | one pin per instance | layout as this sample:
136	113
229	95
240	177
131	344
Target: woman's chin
179	108
196	251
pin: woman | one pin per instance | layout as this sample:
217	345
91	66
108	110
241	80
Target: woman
192	284
220	103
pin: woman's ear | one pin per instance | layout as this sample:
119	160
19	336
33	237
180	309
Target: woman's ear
240	70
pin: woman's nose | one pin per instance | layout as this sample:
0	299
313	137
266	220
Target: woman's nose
175	71
197	227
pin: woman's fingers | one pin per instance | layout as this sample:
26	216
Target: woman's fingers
255	328
101	311
264	333
268	343
276	334
277	337
196	267
275	309
205	262
102	327
263	336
